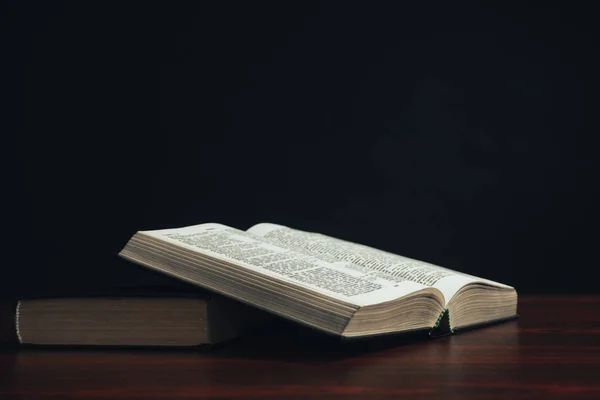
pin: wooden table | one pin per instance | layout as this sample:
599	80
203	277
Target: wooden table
552	351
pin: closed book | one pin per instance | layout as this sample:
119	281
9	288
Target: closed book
134	318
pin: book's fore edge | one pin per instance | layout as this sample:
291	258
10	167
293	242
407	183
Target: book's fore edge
17	322
134	260
343	332
442	325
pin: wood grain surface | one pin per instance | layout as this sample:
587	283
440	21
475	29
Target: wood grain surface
551	352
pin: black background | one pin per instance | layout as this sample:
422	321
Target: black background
460	135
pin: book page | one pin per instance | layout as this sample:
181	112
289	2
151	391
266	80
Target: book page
366	259
336	278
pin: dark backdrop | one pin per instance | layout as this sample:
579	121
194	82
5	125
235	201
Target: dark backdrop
460	135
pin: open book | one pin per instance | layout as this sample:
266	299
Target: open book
336	286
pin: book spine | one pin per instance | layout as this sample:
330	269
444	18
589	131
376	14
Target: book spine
442	325
17	315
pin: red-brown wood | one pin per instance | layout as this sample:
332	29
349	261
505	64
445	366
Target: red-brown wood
551	352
